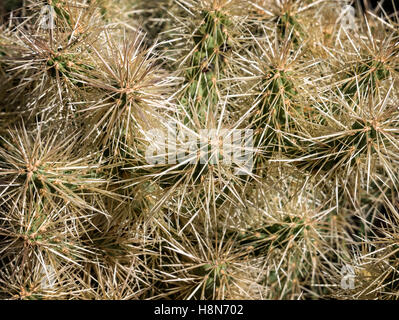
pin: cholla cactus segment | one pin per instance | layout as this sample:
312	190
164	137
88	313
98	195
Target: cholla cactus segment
212	149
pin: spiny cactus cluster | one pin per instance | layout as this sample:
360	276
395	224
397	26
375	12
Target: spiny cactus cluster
104	194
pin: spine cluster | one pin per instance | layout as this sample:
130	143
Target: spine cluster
89	87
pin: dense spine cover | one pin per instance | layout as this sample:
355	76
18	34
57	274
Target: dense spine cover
89	87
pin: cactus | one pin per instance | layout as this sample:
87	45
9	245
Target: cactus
110	190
